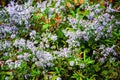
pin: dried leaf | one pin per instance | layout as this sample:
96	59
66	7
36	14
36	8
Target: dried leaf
68	4
57	19
47	21
81	1
1	63
76	3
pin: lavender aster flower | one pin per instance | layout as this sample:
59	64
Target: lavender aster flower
22	42
71	63
19	12
91	15
53	37
13	36
102	60
44	58
59	78
82	65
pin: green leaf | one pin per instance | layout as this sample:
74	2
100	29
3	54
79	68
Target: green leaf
82	46
45	26
86	12
84	55
33	66
94	46
35	72
73	13
97	68
105	72
87	50
60	34
54	77
37	16
88	61
56	69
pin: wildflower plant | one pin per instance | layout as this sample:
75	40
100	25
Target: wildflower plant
59	40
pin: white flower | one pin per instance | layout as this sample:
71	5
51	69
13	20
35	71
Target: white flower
34	59
22	42
8	61
19	12
56	52
104	23
102	46
71	63
30	44
54	38
20	56
58	78
64	52
12	36
45	39
102	60
41	45
82	65
112	59
33	33
86	38
58	3
6	44
110	9
11	65
17	63
26	56
44	59
117	22
27	76
42	6
47	45
91	15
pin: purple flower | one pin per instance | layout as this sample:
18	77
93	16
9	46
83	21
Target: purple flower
91	15
102	60
99	29
86	38
13	36
110	9
117	22
82	65
59	78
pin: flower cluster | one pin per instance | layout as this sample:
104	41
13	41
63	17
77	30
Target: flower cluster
44	59
19	13
13	65
7	30
104	52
